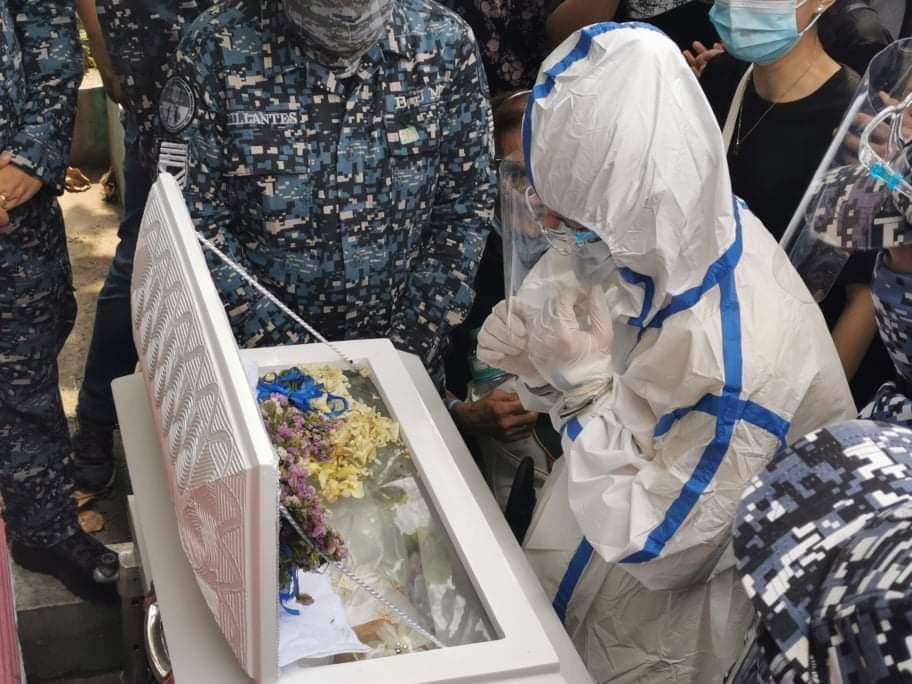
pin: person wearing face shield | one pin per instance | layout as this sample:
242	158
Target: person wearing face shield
340	151
779	95
860	201
673	343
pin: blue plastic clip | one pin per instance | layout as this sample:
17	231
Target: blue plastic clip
301	390
890	178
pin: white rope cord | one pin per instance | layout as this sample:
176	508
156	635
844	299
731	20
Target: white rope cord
405	617
237	268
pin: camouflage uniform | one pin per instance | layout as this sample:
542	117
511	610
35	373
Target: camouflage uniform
822	538
40	70
141	36
893	310
364	203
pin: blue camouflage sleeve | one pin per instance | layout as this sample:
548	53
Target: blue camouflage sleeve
441	283
52	62
192	114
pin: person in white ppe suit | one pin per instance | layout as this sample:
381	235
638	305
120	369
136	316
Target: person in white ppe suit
678	355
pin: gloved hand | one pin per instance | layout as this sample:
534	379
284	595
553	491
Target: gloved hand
574	361
503	340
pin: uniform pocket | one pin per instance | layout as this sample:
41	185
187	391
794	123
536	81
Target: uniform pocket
413	142
271	187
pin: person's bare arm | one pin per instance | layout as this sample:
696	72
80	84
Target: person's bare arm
88	15
499	415
855	328
571	15
899	259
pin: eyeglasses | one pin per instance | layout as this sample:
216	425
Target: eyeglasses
564	235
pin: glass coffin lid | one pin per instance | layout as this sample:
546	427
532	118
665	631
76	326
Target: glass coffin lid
327	525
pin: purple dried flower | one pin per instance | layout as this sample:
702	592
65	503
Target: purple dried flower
299	437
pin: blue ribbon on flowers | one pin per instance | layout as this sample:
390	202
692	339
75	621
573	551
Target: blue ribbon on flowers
301	390
289	595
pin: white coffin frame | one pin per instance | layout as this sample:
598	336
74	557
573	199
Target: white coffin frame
223	474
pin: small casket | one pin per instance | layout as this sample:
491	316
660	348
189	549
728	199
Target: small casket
420	550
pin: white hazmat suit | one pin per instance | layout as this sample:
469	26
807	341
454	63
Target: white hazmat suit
719	356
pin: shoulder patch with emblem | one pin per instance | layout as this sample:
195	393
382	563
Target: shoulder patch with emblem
177	106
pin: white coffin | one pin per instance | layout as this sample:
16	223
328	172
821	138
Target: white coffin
224	478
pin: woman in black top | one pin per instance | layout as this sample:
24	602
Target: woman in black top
780	131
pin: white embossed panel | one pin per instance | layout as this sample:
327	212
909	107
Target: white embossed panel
218	458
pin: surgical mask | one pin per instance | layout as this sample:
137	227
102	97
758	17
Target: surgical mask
568	239
340	30
758	31
893	310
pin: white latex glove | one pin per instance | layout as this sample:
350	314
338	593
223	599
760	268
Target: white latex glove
574	361
503	341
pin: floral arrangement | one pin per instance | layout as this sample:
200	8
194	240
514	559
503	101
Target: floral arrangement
326	442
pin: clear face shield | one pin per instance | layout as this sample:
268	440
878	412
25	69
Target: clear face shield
543	251
861	196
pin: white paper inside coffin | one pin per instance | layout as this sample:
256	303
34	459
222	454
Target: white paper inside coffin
224	481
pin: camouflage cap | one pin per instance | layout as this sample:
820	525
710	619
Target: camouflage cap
823	538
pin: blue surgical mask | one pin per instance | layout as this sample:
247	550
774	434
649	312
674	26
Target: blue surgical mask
758	31
893	308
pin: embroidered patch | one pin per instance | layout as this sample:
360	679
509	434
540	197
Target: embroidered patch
177	106
244	119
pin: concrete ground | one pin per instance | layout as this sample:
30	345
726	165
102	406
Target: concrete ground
92	236
64	639
91	225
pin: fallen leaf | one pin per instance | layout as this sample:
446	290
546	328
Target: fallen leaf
83	498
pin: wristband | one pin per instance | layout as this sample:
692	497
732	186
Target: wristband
452	404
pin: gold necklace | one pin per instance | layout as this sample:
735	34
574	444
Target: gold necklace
739	140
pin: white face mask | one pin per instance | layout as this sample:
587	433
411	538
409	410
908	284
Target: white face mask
341	30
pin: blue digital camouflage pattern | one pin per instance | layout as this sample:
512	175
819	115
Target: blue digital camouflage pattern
141	37
893	310
891	405
342	30
40	70
823	539
363	204
892	293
